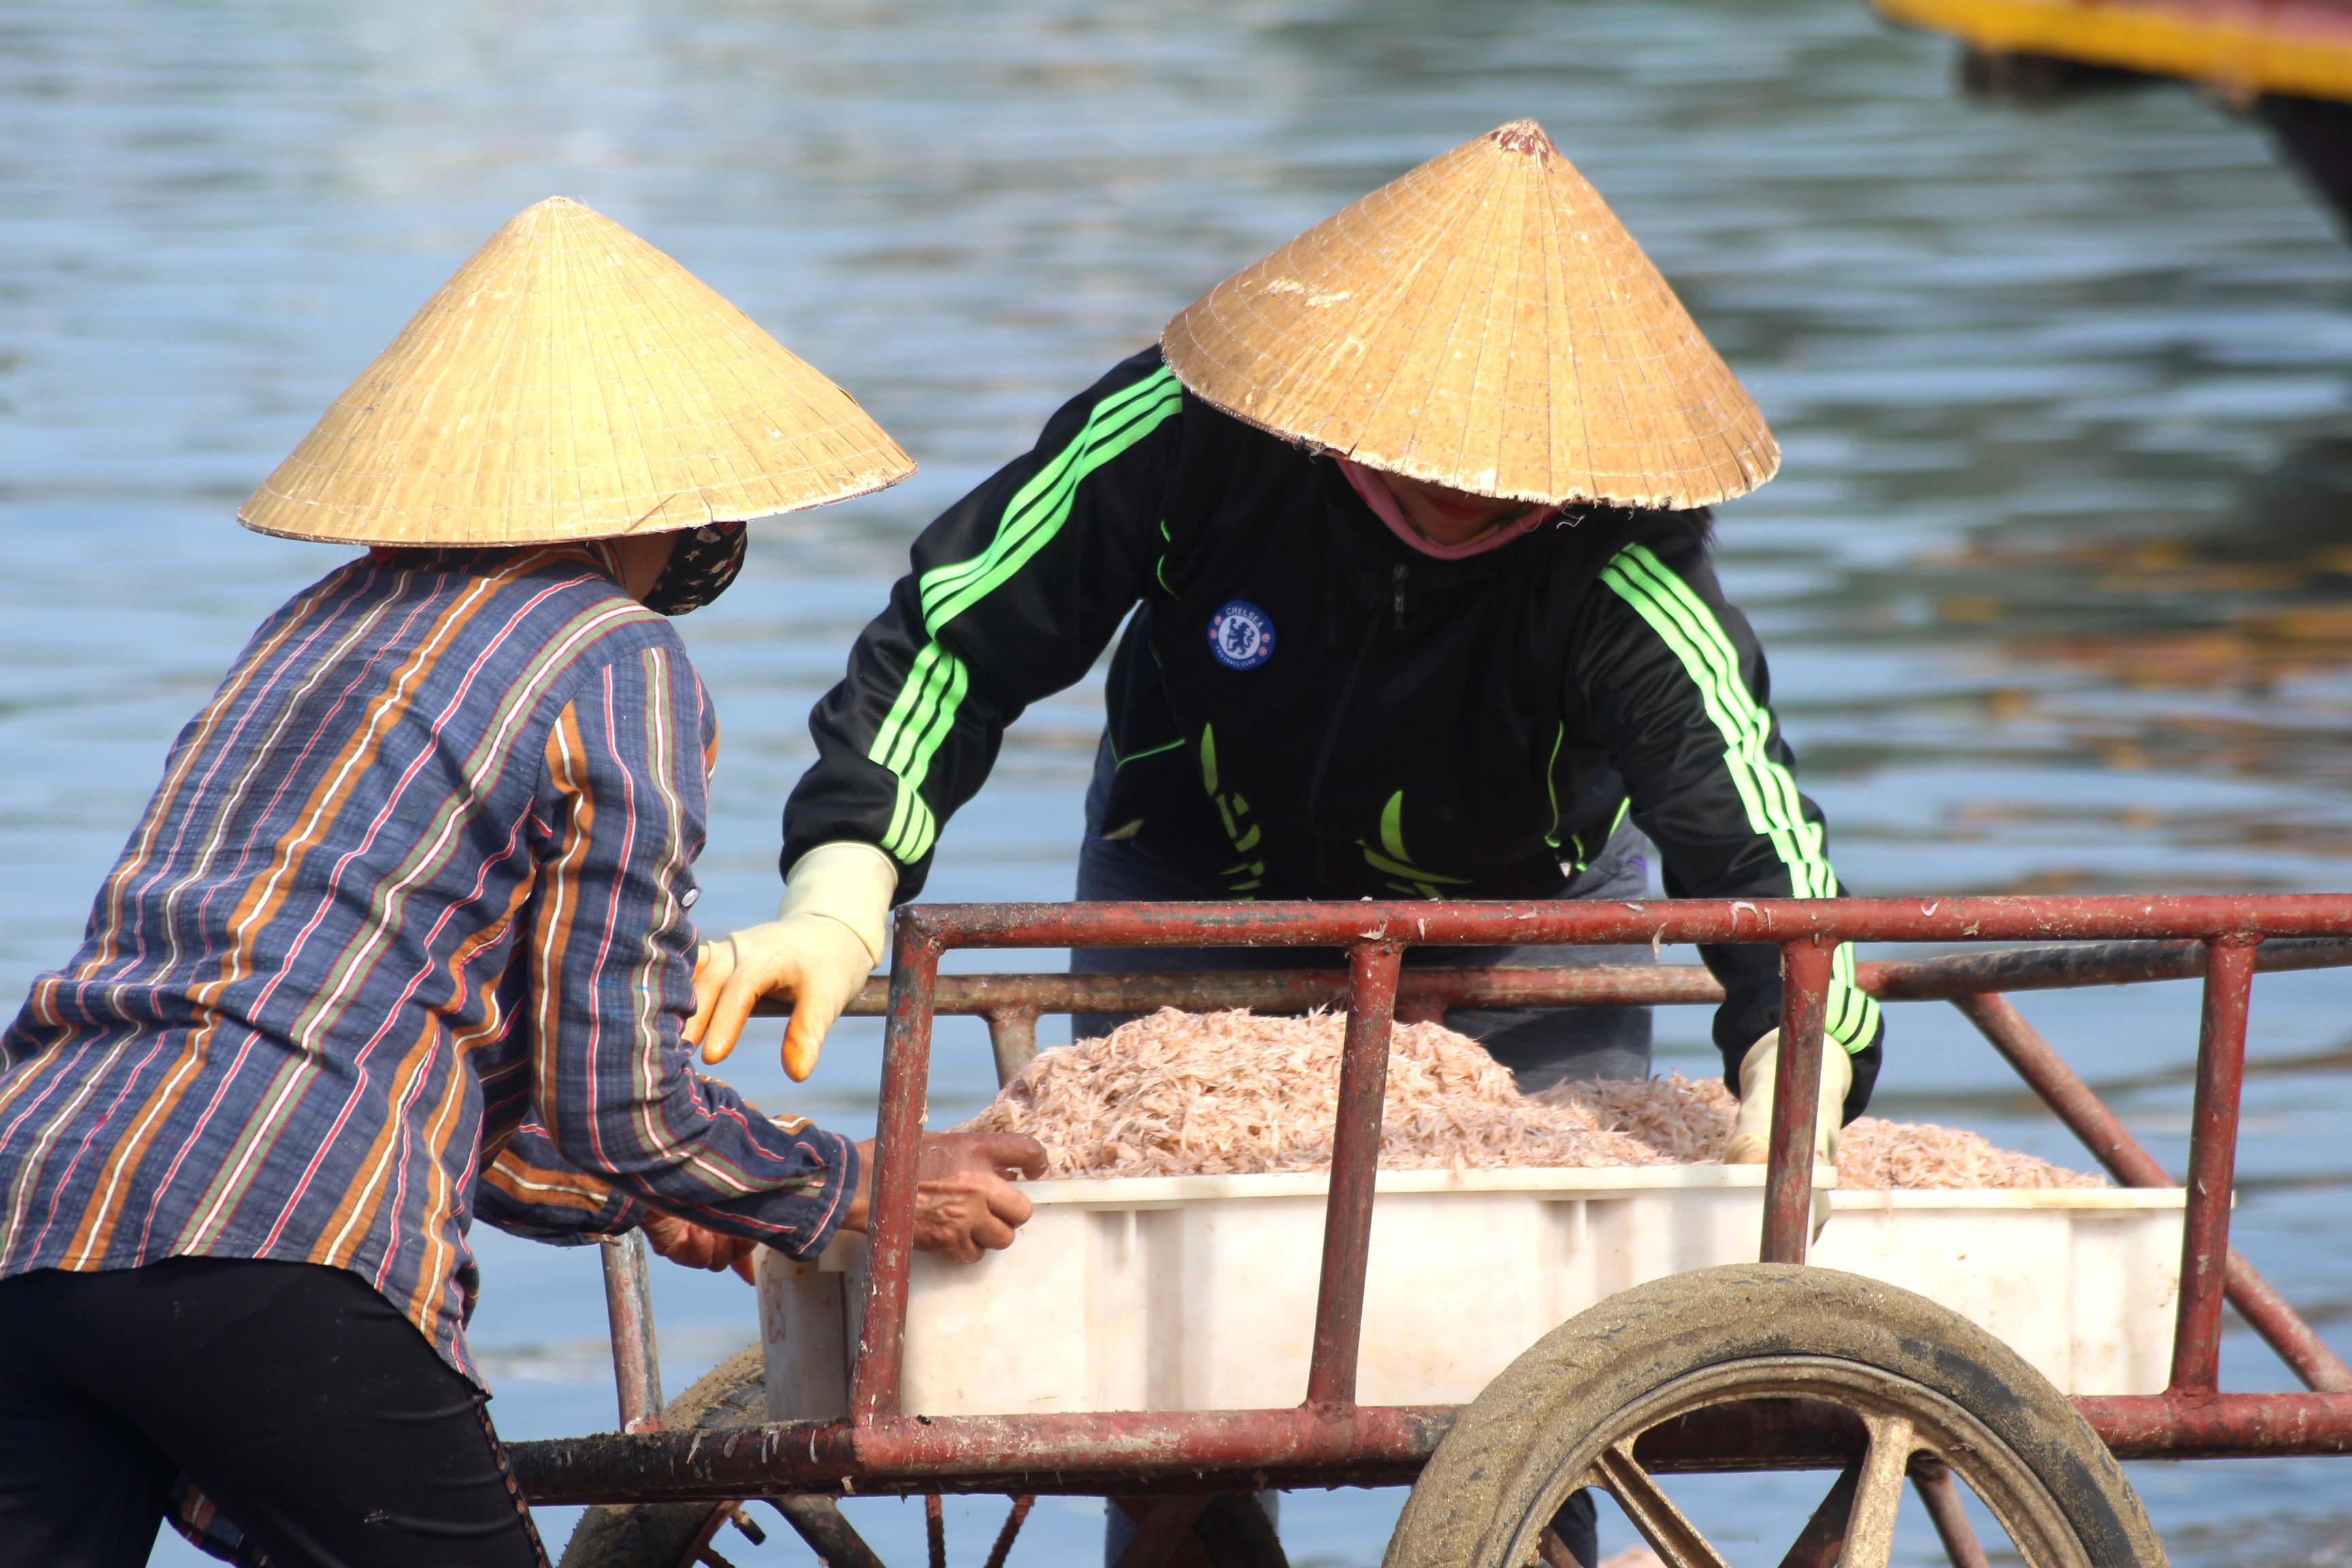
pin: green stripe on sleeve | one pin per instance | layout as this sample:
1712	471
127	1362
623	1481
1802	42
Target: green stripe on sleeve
916	708
1767	791
912	827
1040	508
918	722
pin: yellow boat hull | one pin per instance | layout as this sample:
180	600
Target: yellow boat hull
2298	48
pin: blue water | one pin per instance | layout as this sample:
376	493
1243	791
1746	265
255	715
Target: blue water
2058	577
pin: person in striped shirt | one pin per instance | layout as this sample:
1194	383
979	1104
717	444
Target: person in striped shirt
403	941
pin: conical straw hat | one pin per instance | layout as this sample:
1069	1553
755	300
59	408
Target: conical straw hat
1487	323
571	382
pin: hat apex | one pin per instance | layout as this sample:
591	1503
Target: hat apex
1523	136
571	382
1483	322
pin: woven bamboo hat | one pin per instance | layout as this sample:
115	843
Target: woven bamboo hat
1483	322
571	382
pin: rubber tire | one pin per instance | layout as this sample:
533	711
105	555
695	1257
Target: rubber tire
671	1534
1490	1473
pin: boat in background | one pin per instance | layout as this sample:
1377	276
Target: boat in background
2288	63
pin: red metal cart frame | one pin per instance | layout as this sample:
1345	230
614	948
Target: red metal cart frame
1331	1439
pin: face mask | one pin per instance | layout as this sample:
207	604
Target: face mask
702	564
1383	503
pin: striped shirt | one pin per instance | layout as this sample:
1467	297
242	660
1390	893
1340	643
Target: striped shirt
411	899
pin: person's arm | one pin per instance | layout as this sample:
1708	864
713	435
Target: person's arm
962	1204
610	948
1669	677
619	822
530	1190
1015	590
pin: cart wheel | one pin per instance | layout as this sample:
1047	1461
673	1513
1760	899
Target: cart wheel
1928	1386
680	1534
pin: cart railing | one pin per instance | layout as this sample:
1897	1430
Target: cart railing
1331	1439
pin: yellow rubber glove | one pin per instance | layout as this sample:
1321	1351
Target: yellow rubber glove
824	940
1751	1135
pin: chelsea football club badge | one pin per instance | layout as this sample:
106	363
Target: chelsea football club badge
1241	636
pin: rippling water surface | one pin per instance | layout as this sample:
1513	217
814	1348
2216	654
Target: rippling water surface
2057	580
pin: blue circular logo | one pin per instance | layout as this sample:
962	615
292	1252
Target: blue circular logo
1241	636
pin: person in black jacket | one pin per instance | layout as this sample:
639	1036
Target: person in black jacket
1407	528
1341	678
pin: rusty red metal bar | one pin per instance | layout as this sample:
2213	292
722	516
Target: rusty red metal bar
2221	1426
2284	1329
629	1309
1785	1434
1013	1001
1950	976
1355	1164
1003	1548
890	1234
1133	1452
1012	1039
1775	920
2213	1163
1103	1454
2088	1117
1123	1451
1789	1167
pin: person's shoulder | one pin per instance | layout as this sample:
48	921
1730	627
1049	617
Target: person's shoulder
1211	430
1606	558
1142	396
1135	398
573	580
560	603
1683	540
1139	382
1146	367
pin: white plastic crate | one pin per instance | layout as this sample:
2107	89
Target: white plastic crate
1198	1292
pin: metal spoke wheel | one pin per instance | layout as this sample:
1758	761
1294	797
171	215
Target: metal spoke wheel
1936	1398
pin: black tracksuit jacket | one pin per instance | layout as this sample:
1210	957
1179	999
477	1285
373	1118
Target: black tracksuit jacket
1304	707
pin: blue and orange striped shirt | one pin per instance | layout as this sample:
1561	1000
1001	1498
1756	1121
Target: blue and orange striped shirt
410	901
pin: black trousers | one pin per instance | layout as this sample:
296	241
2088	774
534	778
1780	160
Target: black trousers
308	1411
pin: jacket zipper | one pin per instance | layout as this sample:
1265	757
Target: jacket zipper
1397	576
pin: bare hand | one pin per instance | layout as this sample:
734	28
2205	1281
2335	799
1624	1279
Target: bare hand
964	1202
696	1247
